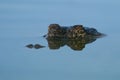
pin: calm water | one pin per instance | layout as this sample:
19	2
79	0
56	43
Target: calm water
24	22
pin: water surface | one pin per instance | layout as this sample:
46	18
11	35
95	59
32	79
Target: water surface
26	21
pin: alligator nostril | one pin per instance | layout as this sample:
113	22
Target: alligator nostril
30	45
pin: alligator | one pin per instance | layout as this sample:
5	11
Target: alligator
76	37
72	32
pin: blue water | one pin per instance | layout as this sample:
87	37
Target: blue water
26	21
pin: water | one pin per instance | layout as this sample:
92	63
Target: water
24	22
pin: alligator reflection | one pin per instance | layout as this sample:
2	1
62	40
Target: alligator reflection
75	44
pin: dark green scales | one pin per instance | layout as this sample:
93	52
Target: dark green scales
72	32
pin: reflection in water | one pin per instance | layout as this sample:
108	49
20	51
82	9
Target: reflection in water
75	44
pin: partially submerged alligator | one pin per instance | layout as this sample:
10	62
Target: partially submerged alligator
72	32
76	37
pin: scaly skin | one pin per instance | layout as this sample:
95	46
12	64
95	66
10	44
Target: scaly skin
73	32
